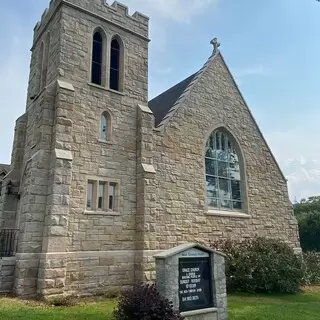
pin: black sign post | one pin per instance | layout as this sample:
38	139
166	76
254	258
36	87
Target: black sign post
195	281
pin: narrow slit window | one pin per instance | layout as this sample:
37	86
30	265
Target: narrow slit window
97	56
90	196
112	190
104	127
115	65
101	197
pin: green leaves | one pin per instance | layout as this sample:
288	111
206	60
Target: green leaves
261	265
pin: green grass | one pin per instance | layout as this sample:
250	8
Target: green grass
304	306
13	309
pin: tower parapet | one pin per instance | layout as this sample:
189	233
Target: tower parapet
116	13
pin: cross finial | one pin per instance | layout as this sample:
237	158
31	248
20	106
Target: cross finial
215	44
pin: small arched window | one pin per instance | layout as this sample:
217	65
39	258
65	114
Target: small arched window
224	178
105	126
115	64
97	58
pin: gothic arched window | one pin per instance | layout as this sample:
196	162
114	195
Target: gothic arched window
105	126
224	176
115	64
97	58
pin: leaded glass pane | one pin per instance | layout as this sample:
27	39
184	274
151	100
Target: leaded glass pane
222	169
209	153
213	202
212	187
236	190
234	170
224	189
112	190
237	205
89	195
103	129
225	204
101	196
210	167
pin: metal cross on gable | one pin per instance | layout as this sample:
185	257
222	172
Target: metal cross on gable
215	44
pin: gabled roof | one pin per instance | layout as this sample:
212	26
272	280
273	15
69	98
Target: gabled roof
4	167
161	104
166	104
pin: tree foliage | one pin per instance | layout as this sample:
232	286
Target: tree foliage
308	216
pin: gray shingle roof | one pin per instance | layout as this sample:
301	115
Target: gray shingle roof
161	104
5	167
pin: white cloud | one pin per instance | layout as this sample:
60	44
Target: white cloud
174	10
299	158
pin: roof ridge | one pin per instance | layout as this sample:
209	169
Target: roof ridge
184	94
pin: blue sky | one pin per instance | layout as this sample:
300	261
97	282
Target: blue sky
272	47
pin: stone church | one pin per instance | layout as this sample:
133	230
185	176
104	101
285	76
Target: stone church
101	179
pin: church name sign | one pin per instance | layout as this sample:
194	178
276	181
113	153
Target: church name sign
195	290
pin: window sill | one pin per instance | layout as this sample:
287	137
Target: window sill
102	213
230	214
105	89
106	141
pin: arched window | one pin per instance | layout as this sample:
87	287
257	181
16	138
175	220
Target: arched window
224	178
105	126
97	58
45	62
115	64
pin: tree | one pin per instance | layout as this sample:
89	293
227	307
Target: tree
308	216
311	204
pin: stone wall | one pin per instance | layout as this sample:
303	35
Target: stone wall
7	267
182	214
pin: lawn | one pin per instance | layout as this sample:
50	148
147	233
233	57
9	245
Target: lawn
304	306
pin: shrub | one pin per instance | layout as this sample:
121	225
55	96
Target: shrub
311	268
61	301
144	302
261	265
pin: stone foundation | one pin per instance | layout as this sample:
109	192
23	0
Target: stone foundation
7	267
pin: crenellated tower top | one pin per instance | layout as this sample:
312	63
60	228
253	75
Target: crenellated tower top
116	13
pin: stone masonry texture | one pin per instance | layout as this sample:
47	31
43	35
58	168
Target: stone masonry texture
160	174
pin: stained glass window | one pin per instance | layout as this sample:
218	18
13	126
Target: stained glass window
223	176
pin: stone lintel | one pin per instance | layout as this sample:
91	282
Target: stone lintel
63	154
65	85
148	168
145	109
